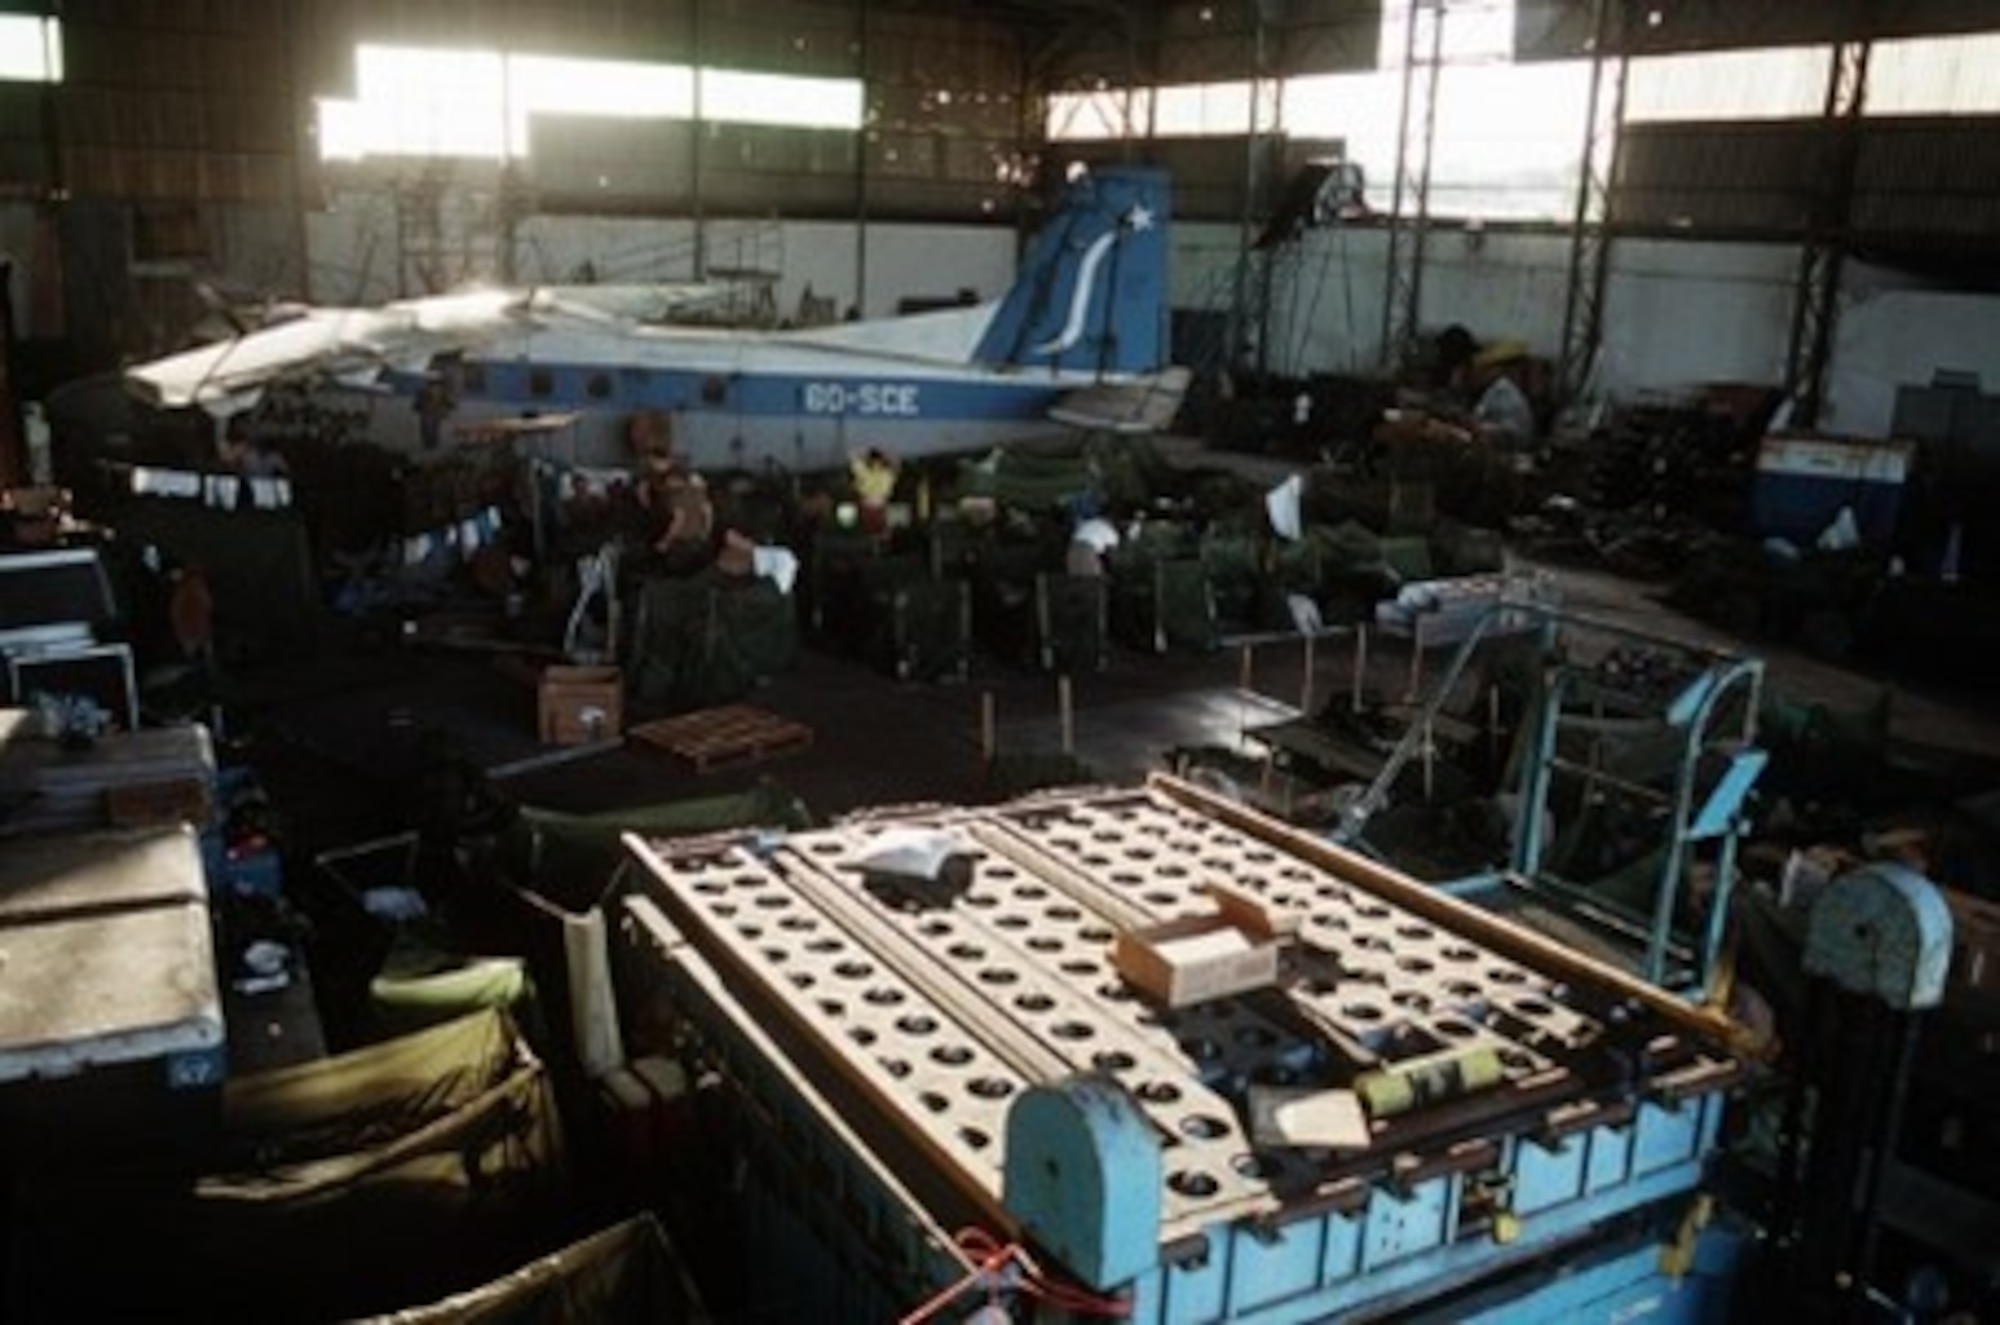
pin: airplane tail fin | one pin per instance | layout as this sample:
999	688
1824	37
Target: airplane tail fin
1092	292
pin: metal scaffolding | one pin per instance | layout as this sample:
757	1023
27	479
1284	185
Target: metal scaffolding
1409	205
1823	250
1591	229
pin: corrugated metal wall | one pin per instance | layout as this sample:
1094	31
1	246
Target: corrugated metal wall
1199	41
1918	181
1922	179
1561	29
176	99
947	119
1718	179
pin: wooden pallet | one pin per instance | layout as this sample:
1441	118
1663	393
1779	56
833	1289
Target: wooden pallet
733	734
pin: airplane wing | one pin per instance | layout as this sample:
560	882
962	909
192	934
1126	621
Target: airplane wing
354	344
344	343
664	302
1145	404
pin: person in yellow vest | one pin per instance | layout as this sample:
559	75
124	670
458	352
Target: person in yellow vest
874	474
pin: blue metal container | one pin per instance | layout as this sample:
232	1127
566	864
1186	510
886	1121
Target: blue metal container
1803	482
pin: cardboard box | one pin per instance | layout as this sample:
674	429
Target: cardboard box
578	705
1195	959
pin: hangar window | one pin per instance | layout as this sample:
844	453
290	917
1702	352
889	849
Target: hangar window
781	99
1105	114
1935	76
416	101
30	49
540	84
1516	162
1520	166
1780	82
1473	30
1216	108
1185	110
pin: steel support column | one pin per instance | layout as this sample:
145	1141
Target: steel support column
862	54
1409	206
14	460
1823	250
510	202
1590	232
1250	307
698	58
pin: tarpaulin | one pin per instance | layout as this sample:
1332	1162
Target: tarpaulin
396	1173
628	1272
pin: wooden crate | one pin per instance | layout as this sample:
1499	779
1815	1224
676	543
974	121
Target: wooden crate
580	704
733	734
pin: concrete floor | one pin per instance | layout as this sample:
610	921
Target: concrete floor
879	741
1964	724
882	741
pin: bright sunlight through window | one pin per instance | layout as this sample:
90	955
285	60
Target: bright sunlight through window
592	87
421	102
1474	30
1099	116
781	99
1773	83
30	49
1935	76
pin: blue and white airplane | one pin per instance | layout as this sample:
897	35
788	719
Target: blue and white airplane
1080	340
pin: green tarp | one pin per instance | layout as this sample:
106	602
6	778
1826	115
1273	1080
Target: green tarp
709	638
420	985
1121	472
1162	604
628	1272
1071	623
393	1174
926	631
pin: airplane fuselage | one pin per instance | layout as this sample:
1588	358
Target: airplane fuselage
737	400
1083	324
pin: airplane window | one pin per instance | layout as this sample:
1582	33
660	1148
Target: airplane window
473	377
713	390
541	382
599	386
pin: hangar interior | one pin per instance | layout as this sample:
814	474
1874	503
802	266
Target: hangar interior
1207	660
